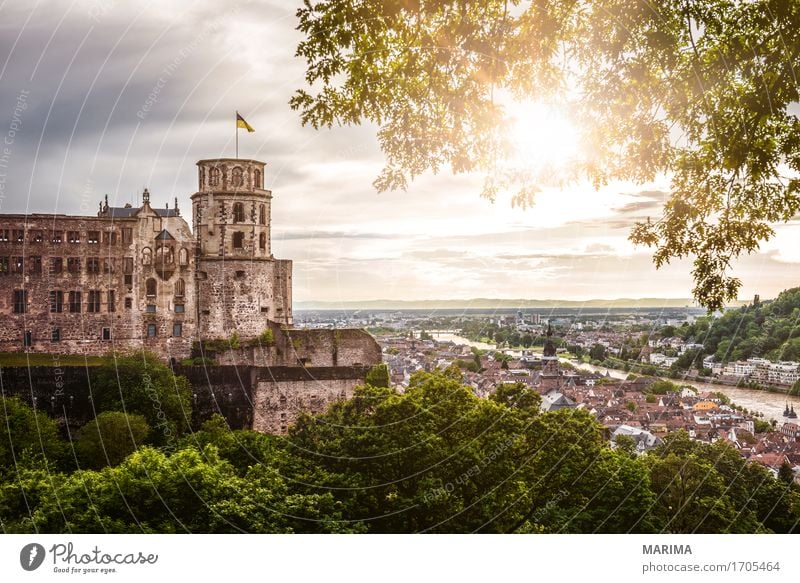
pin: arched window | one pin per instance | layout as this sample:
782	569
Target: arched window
147	256
213	177
180	288
151	287
257	179
262	241
238	212
183	257
262	214
165	255
236	177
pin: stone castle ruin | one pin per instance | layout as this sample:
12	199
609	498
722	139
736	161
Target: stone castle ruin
132	278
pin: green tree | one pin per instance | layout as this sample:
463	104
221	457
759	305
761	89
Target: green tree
626	444
598	352
718	74
518	396
142	384
378	375
109	438
785	473
26	432
191	490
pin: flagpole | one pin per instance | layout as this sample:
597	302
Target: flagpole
237	135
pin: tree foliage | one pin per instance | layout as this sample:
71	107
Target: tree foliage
109	438
698	90
769	330
26	432
435	458
142	384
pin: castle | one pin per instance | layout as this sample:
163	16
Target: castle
132	278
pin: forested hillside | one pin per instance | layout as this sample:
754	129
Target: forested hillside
769	330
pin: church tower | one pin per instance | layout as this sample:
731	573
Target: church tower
551	375
241	287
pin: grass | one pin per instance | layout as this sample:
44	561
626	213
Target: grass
11	359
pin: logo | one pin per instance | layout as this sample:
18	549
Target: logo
31	556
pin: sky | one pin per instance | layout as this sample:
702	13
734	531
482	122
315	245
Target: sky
109	97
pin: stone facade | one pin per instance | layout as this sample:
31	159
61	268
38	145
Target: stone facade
141	277
88	285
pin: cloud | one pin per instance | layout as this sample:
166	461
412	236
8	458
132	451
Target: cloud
306	235
124	95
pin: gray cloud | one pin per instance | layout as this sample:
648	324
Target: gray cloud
122	95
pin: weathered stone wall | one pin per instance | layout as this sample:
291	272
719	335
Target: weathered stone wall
61	392
109	253
264	399
278	400
237	295
223	390
304	348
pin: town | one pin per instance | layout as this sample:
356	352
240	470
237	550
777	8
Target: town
637	408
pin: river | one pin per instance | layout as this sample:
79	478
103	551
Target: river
770	404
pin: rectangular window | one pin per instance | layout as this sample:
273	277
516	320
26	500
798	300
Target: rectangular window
127	265
18	236
177	330
74	264
106	333
151	308
111	297
20	300
110	237
56	265
128	303
36	264
93	237
37	237
127	236
93	265
56	301
93	302
3	235
180	308
75	302
55	335
5	265
28	338
108	265
238	240
57	237
129	283
19	265
151	330
74	236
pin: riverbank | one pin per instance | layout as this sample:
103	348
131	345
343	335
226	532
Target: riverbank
770	404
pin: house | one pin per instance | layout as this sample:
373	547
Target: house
555	400
643	439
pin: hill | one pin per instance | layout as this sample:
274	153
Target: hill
494	303
769	329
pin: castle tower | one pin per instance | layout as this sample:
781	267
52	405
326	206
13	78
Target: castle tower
241	286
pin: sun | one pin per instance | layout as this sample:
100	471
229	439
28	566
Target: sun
542	135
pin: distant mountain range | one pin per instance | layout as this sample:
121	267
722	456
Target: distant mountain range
489	303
